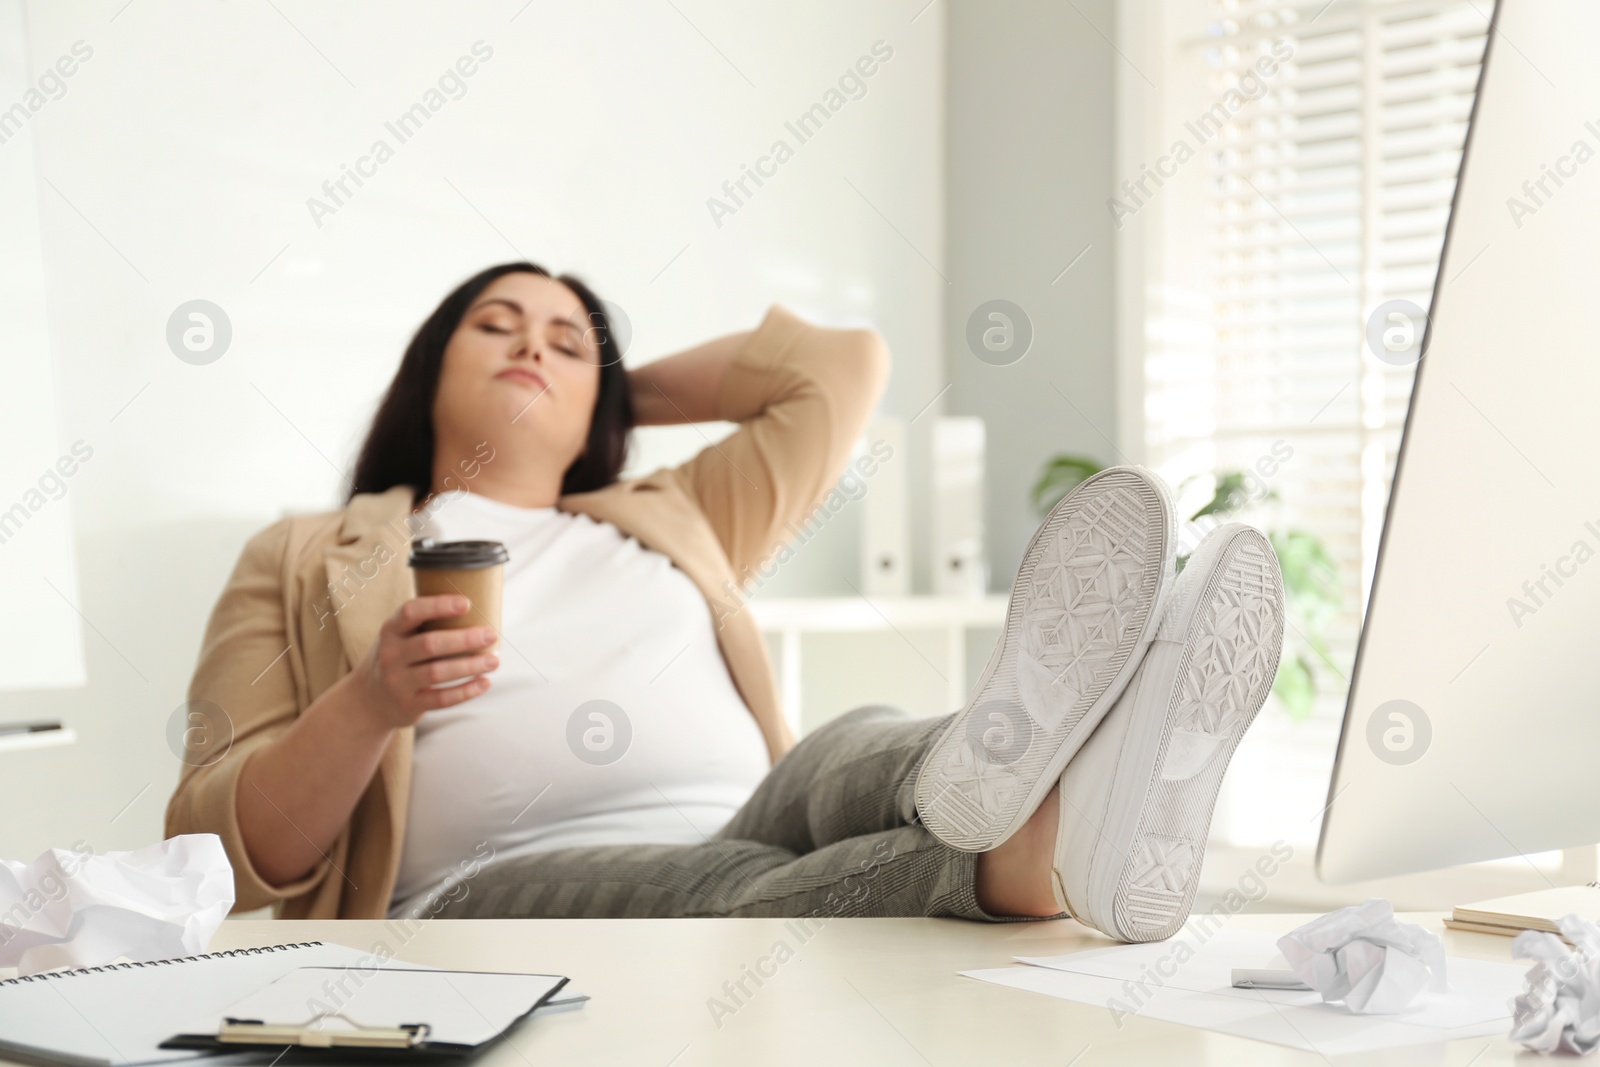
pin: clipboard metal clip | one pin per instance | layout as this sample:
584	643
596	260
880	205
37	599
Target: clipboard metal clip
313	1034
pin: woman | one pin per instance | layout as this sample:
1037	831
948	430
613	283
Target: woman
376	768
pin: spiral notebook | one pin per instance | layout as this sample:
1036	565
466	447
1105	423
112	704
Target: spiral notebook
119	1015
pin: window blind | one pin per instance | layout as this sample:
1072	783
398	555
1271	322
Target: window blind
1326	195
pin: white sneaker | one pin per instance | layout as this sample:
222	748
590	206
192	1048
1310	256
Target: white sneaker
1137	800
1083	611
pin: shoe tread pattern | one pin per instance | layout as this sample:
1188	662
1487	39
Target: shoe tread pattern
1233	650
1082	601
1085	589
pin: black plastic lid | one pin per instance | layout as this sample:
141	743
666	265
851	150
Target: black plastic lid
457	555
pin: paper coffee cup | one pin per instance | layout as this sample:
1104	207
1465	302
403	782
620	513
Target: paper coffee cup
473	569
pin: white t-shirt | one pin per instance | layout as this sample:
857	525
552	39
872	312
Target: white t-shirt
611	720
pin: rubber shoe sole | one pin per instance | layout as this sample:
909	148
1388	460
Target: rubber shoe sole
1137	803
1083	611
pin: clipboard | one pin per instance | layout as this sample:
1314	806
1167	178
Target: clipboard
376	1010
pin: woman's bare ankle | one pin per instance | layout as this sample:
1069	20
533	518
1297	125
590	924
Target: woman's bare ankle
1013	879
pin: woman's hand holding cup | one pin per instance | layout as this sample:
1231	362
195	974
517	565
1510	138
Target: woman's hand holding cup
397	679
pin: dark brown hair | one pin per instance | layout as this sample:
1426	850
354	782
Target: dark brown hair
399	447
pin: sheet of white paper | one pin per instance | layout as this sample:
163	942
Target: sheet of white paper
1315	1028
1195	989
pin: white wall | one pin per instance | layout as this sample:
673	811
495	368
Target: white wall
184	152
42	646
1029	168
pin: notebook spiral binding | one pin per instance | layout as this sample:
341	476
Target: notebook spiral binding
46	975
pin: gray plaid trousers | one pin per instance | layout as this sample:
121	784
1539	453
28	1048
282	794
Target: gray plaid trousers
831	831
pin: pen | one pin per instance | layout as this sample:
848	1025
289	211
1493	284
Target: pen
1247	978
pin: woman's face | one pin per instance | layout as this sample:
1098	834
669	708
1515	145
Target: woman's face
521	370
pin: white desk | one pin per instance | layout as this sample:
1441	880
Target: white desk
874	991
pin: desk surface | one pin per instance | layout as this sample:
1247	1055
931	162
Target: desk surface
878	991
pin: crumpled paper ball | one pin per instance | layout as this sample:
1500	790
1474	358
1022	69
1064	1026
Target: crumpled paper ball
77	909
1360	955
1561	1008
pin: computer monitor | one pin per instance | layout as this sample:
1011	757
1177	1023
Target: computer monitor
1472	730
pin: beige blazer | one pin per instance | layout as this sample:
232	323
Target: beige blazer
308	594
